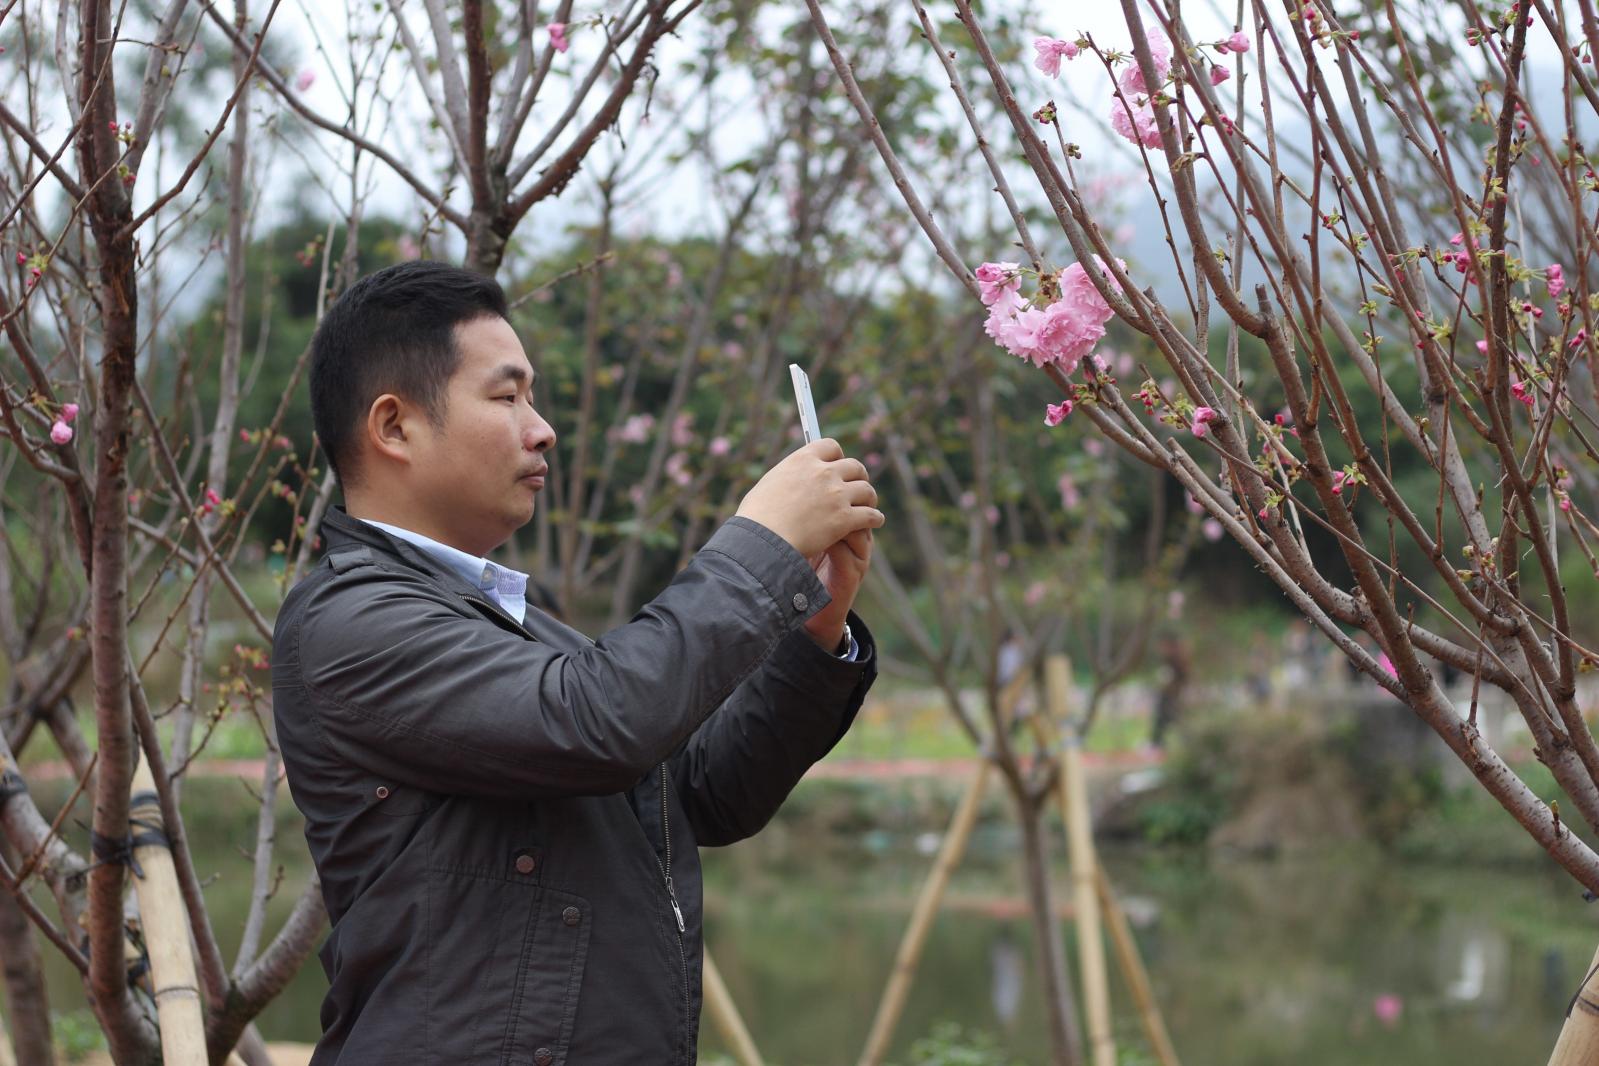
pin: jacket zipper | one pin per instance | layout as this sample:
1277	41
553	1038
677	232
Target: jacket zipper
671	893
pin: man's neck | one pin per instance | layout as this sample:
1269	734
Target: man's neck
415	522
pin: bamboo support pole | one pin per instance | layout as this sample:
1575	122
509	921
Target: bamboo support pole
166	930
1084	864
7	1056
719	1001
909	956
1137	978
1579	1037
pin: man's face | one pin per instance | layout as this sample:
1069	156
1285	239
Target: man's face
480	473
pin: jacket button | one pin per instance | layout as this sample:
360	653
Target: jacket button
383	792
571	916
525	863
544	1056
800	602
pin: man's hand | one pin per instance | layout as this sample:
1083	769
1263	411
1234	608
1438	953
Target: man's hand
841	568
813	498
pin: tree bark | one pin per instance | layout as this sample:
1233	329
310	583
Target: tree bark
1065	1035
129	1033
27	1002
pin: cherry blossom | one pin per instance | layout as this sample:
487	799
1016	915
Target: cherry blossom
60	432
683	430
1556	280
1062	332
1132	79
1050	50
69	411
1238	42
1070	498
558	39
677	468
1199	425
1135	120
1056	413
1219	73
636	429
994	279
304	80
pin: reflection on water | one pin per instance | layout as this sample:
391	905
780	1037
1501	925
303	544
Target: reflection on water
1007	977
1334	961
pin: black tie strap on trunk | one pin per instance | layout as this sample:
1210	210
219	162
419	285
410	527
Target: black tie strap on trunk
147	831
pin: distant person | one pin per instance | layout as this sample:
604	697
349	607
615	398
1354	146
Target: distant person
505	815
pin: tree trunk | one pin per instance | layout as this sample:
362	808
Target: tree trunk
486	237
1064	1034
129	1034
27	1002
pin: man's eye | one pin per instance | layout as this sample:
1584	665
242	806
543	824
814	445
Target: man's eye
511	397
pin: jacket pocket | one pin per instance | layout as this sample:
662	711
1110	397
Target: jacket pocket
505	962
549	982
383	797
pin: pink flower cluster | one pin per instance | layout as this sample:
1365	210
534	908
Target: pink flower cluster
1464	257
1134	117
558	39
1199	425
1061	332
1050	50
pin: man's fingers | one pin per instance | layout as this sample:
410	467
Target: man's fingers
826	449
860	493
851	469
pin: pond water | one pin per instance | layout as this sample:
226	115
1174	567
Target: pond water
1337	959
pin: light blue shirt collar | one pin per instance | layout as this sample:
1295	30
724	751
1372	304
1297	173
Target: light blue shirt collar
506	587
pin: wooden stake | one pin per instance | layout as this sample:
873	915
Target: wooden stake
7	1058
909	955
725	1013
1132	967
1579	1037
166	930
1084	864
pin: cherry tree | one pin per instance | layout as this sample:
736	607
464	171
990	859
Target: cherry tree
1392	203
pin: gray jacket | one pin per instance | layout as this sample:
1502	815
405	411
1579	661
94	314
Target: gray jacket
506	817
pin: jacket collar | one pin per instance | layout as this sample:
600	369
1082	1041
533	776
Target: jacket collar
340	529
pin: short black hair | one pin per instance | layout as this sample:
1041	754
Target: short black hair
392	331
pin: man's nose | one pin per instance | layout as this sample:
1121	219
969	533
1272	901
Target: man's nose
539	435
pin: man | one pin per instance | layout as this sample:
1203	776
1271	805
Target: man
504	814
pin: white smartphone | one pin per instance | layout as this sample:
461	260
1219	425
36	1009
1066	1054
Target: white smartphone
807	406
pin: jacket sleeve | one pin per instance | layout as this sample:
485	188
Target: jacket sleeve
396	679
739	767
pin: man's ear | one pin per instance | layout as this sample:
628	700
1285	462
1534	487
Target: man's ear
389	422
